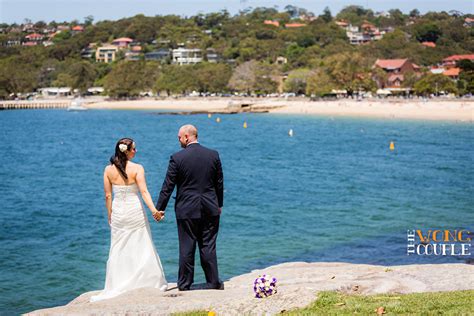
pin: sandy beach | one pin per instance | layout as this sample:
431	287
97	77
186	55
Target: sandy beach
298	285
450	110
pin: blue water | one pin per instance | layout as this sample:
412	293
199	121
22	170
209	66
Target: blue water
333	192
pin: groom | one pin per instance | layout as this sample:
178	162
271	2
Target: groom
197	172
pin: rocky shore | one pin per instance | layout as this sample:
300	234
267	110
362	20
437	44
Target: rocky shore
298	285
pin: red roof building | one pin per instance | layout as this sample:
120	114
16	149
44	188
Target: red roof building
396	65
396	69
429	44
122	42
342	23
270	22
452	72
34	37
78	28
452	60
30	43
294	25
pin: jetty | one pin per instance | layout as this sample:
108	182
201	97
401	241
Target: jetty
36	104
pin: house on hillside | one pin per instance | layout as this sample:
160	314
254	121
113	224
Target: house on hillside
429	44
186	56
34	37
162	54
468	22
270	22
106	54
294	25
212	55
451	61
452	73
396	70
366	33
77	29
123	42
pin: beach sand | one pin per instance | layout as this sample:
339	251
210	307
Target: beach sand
298	285
449	110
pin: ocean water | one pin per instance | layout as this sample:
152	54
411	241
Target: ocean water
332	192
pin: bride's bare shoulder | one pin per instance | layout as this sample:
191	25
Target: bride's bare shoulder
135	166
108	169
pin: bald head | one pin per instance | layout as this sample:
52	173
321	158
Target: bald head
187	134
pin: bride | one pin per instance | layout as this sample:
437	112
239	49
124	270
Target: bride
133	261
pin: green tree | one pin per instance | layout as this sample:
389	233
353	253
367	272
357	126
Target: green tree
128	79
350	71
427	31
326	16
176	79
212	77
435	84
414	13
297	80
319	83
466	77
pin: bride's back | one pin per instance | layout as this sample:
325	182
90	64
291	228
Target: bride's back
116	178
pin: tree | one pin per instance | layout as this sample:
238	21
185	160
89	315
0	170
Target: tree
212	77
17	76
319	83
253	76
243	78
427	31
89	20
176	79
82	75
128	79
466	77
434	84
350	71
414	13
326	16
409	79
297	80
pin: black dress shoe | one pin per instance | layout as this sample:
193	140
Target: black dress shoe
219	286
184	289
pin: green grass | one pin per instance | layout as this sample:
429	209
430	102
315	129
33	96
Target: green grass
191	313
335	303
437	303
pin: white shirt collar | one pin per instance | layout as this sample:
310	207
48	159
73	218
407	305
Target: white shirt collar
195	142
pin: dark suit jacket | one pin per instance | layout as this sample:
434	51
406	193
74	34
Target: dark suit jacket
197	172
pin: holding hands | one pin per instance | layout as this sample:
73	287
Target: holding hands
158	215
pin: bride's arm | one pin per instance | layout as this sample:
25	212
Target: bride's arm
108	195
141	182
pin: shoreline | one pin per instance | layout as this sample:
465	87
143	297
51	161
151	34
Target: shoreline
448	110
458	110
298	284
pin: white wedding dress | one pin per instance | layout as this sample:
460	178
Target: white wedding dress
133	261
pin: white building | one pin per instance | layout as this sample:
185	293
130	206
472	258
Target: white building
187	56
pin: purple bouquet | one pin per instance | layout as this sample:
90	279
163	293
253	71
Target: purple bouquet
264	286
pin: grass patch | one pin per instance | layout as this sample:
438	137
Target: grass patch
191	313
437	303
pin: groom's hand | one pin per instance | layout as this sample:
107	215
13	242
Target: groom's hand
159	215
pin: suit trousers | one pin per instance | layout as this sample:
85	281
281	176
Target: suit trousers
202	231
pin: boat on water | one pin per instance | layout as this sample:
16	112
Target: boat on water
76	105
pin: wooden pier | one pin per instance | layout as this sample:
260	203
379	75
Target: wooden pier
28	105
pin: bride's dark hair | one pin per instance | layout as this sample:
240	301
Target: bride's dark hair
119	159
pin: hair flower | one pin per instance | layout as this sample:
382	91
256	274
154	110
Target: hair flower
123	147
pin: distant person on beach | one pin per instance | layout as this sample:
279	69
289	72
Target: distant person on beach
133	260
197	173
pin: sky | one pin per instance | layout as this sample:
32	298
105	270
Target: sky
67	10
